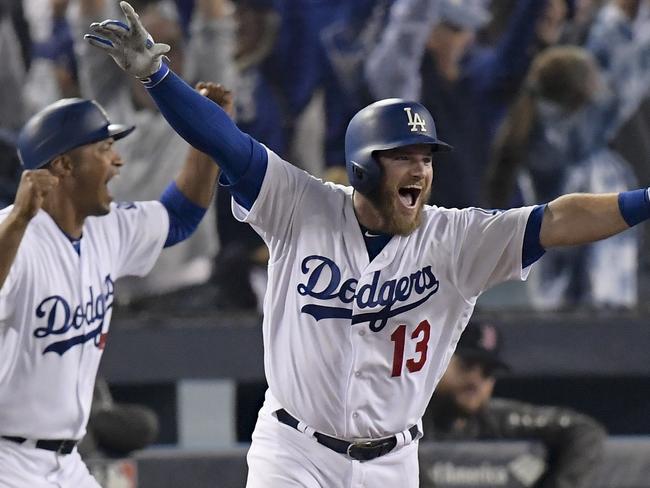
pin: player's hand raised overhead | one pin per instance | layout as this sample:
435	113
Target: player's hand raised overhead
32	190
129	44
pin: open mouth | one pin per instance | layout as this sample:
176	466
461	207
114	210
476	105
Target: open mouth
107	184
409	195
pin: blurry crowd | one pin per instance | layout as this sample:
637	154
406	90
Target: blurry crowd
538	98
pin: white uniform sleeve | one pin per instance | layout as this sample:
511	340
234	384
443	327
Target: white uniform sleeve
489	248
278	202
142	229
8	291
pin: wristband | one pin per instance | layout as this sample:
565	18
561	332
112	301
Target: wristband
157	77
634	206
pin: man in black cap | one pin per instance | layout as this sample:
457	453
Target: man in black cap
462	408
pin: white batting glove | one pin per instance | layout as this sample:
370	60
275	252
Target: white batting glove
130	45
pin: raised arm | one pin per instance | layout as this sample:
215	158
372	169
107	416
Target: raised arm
512	53
583	218
34	187
199	168
212	43
189	195
393	67
621	44
199	121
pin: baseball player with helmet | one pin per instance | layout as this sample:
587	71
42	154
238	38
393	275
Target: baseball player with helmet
369	287
64	244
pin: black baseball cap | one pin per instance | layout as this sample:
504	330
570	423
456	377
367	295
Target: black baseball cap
481	341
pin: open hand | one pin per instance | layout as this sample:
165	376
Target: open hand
129	44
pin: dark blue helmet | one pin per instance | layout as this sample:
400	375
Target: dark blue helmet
63	126
386	124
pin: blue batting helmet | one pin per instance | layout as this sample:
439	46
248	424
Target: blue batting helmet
63	126
386	124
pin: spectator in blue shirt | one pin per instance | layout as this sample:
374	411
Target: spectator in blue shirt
428	53
556	140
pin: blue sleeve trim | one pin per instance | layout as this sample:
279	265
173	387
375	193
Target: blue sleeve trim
246	189
532	250
157	77
204	125
634	206
184	215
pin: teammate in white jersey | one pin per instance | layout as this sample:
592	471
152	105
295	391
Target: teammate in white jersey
64	244
369	288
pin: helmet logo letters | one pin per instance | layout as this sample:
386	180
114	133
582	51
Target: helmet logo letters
415	121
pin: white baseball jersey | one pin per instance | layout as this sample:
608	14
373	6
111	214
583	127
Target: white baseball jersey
354	348
55	310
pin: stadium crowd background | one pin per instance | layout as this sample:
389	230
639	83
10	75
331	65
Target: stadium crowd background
528	122
539	98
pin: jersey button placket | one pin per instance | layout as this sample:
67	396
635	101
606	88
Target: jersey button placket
359	338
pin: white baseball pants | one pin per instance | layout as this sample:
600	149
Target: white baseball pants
30	467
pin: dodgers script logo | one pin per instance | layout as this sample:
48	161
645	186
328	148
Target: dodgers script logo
415	121
319	270
61	317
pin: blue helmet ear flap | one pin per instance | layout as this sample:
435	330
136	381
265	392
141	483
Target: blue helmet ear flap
364	177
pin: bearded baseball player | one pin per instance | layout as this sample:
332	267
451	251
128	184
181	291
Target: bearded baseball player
369	288
64	244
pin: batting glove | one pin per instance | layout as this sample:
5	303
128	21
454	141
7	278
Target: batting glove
130	45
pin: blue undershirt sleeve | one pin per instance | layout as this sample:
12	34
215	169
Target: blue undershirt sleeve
532	250
184	215
204	125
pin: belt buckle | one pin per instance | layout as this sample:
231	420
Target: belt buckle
367	450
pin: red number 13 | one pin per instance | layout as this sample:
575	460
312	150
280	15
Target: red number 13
421	347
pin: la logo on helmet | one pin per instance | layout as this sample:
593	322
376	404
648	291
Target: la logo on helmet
415	121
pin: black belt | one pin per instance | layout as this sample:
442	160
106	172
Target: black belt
361	451
61	446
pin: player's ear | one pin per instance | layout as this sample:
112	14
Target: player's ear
61	165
